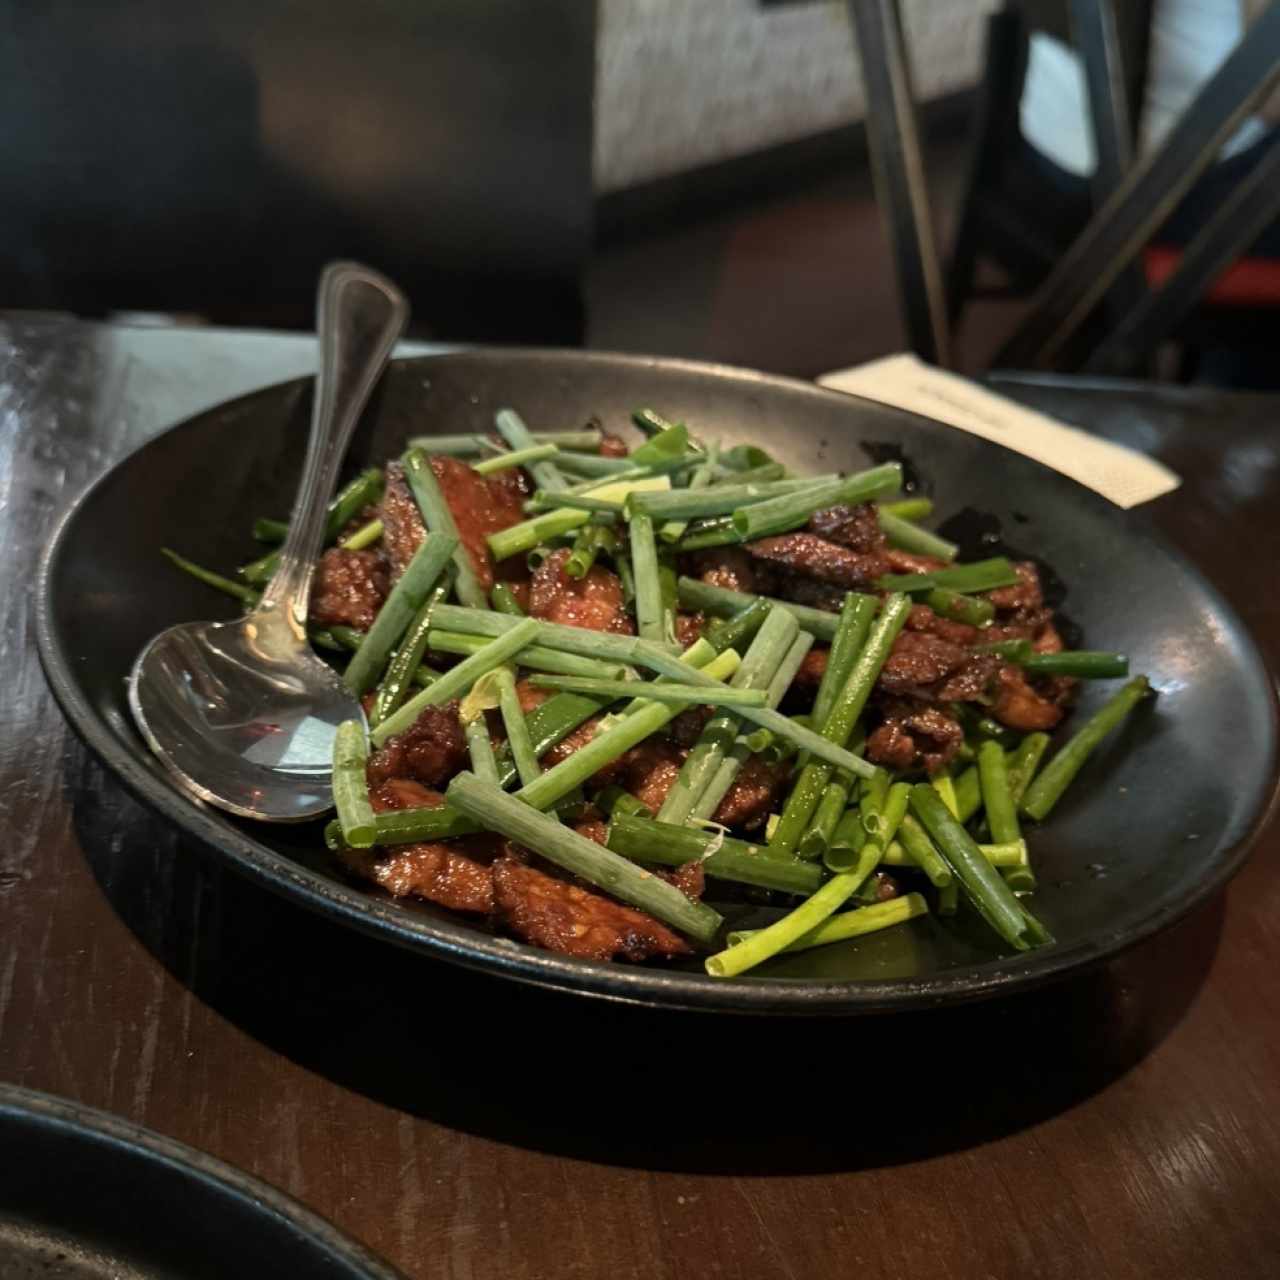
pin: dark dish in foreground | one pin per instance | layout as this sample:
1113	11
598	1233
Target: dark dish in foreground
818	654
72	1177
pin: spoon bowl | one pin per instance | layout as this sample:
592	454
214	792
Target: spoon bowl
243	713
244	720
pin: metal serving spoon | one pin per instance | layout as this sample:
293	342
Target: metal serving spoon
243	713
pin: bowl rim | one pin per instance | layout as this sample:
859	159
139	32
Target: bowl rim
460	943
216	1178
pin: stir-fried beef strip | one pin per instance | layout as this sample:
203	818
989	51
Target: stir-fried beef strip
687	727
1013	603
510	487
612	446
570	744
1021	613
690	879
456	875
932	662
782	584
971	681
402	527
1012	698
922	618
909	562
815	557
1020	706
854	527
812	669
858	529
728	567
594	601
402	793
430	751
689	627
886	886
751	796
647	771
734	569
919	660
561	916
439	873
914	735
480	505
348	588
530	695
486	875
1048	640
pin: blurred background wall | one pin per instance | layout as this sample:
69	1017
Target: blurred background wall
209	157
686	83
734	213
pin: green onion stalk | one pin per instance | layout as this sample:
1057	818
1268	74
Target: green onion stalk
503	599
982	883
519	739
463	445
638	652
910	537
839	725
495	810
406	662
346	504
536	657
999	804
907	508
457	680
672	530
759	664
851	924
765	943
788	510
411	591
592	539
350	788
643	718
722	857
723	601
644	561
516	458
981	575
1046	790
512	429
719	784
439	519
722	500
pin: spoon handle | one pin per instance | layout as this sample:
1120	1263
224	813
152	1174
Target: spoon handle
359	316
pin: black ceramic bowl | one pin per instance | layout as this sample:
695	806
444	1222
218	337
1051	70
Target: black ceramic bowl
84	1194
1156	822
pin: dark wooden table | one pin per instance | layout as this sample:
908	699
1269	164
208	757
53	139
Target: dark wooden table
1124	1124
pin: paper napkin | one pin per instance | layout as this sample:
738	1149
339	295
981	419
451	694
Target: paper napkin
1120	474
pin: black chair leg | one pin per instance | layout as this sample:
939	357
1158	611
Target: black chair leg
1237	223
1117	233
898	172
996	106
